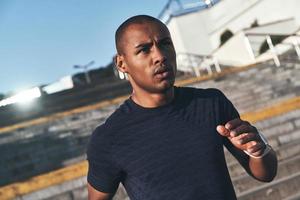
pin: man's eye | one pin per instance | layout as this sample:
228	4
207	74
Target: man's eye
144	50
167	43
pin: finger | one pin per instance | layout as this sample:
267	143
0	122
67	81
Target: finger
233	123
246	138
254	147
223	131
243	128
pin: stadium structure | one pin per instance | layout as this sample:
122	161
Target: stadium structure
249	49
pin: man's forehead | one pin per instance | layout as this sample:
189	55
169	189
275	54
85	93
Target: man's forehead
147	30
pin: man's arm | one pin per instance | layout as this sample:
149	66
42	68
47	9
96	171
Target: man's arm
245	137
94	194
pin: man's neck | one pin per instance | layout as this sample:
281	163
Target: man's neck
152	100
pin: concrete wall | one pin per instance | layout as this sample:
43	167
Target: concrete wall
192	32
236	52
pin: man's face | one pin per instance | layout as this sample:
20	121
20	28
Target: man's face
149	57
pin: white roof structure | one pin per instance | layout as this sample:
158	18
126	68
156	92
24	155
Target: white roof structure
196	27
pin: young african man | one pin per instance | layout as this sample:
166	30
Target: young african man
166	142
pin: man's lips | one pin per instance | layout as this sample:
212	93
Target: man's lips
163	72
163	75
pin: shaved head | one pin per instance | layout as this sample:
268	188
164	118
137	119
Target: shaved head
138	19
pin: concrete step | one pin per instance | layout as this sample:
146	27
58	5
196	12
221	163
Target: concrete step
70	190
276	190
64	191
281	150
262	84
265	85
269	126
285	168
279	130
283	153
293	197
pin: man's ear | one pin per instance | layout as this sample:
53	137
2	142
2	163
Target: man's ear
120	63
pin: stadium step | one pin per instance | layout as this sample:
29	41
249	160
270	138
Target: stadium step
276	190
293	197
285	168
279	130
283	149
283	153
266	84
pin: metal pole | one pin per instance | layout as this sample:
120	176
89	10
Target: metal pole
296	46
87	77
85	68
271	46
217	65
249	48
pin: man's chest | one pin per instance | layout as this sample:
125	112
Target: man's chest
165	145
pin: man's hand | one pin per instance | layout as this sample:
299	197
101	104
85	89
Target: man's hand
243	136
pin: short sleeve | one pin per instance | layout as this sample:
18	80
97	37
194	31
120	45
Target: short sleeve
103	173
228	111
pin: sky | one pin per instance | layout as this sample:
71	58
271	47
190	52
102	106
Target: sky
41	40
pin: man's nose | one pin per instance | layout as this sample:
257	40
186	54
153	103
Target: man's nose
158	55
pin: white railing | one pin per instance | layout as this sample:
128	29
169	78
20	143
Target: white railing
291	41
196	64
177	7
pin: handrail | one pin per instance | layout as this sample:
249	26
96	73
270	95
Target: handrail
274	52
182	8
195	63
265	34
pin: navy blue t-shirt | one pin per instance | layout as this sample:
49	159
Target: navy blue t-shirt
168	152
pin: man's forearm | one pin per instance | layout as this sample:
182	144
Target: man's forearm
250	148
265	168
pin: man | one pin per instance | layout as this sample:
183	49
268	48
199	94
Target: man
166	142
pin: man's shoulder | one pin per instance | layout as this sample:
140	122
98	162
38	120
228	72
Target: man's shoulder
114	121
201	92
119	115
104	133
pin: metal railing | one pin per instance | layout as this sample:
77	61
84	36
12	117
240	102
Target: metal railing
274	49
196	64
178	7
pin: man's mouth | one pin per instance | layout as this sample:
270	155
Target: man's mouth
162	72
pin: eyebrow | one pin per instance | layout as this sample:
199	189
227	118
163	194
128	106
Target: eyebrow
145	44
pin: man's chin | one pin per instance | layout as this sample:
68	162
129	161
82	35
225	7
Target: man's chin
165	85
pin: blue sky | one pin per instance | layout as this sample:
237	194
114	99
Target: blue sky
41	40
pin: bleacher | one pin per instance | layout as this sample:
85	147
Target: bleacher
45	158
